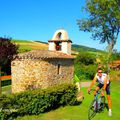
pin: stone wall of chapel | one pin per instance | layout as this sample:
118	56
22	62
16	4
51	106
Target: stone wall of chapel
32	74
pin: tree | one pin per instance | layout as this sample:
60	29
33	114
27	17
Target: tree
85	58
7	51
85	65
116	55
103	21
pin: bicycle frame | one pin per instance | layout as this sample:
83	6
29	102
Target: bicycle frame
96	101
96	96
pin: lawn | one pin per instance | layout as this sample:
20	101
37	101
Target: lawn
79	112
6	89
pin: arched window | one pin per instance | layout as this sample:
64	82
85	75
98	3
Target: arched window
58	69
59	36
58	45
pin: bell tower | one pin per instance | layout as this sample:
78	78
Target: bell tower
60	42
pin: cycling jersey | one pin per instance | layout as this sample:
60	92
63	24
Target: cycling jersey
102	78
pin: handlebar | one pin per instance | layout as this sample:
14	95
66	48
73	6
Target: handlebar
98	92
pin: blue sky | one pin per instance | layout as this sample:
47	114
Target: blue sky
39	19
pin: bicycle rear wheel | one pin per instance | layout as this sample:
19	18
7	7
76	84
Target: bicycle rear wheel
92	110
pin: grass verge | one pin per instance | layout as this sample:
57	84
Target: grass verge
6	89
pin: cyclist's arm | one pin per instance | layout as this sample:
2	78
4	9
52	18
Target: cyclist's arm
92	83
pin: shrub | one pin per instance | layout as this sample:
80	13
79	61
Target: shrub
85	58
7	51
116	55
5	82
85	65
38	101
85	72
90	71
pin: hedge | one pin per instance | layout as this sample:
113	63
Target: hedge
6	82
37	101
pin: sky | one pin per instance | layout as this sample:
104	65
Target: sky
39	19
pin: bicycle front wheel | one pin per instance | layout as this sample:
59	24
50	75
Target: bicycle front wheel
102	102
92	110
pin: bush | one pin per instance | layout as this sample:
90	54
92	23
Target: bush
85	72
5	82
7	50
85	58
90	71
36	101
116	55
3	73
85	65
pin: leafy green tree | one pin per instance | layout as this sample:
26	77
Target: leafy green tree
85	58
103	21
7	51
85	65
116	55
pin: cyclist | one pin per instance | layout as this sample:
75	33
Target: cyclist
104	83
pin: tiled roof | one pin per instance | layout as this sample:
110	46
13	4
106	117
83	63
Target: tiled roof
60	41
43	54
116	61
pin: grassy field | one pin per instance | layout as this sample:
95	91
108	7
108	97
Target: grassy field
6	88
79	112
21	41
28	45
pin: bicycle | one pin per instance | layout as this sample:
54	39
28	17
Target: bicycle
97	105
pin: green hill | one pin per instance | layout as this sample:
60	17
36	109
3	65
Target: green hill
82	48
27	45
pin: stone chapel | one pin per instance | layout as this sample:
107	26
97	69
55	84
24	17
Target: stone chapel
44	68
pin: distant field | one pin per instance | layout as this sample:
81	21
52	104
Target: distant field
28	45
21	41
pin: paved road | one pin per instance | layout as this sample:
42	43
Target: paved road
85	84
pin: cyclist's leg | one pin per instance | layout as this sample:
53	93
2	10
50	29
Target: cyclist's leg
96	89
108	96
99	86
109	99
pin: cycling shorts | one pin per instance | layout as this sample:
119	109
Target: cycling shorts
107	88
